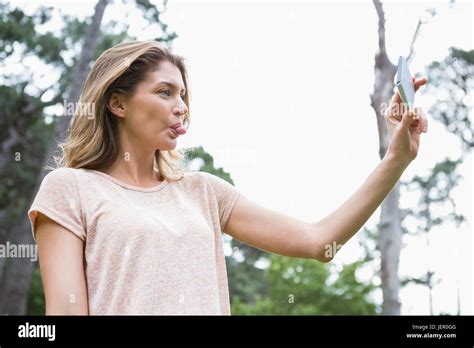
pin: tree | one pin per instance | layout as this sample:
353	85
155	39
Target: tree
451	82
390	232
16	273
304	287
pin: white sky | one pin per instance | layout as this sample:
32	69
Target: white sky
280	97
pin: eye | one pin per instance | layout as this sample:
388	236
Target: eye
168	93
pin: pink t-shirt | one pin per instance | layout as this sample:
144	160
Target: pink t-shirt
154	250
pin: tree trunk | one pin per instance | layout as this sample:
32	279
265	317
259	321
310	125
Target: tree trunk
390	242
17	273
390	233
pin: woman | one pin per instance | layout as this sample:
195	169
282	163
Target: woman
122	228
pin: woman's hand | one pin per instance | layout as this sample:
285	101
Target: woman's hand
404	127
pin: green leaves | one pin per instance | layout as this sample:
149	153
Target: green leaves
308	287
451	82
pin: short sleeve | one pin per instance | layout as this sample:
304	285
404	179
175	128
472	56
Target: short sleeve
58	199
226	196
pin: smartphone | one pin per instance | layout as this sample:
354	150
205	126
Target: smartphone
404	83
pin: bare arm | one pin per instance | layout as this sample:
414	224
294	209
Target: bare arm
281	234
339	226
277	233
61	257
271	231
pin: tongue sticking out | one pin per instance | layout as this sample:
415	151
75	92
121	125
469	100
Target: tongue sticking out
180	130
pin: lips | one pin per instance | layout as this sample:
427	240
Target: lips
178	129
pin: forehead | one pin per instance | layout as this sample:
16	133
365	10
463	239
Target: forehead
167	72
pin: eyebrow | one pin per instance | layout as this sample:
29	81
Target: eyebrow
171	85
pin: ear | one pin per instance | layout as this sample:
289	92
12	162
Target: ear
117	105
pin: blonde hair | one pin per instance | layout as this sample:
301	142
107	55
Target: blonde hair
92	141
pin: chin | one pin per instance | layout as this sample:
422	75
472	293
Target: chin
168	146
167	141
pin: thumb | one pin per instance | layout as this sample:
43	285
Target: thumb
407	119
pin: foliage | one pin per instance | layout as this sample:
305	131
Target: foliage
304	287
451	82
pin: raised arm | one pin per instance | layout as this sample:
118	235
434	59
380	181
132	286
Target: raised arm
61	257
280	234
284	235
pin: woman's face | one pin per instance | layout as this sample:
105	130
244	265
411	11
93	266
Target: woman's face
156	106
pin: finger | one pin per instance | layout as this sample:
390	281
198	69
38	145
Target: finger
407	120
396	98
425	124
418	114
420	120
423	121
418	83
397	107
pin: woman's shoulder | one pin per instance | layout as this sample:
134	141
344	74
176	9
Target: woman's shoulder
62	173
193	180
65	176
196	176
209	180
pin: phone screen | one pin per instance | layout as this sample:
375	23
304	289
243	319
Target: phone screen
405	83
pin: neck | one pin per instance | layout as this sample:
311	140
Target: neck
134	164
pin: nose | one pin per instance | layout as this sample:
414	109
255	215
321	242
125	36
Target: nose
181	110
